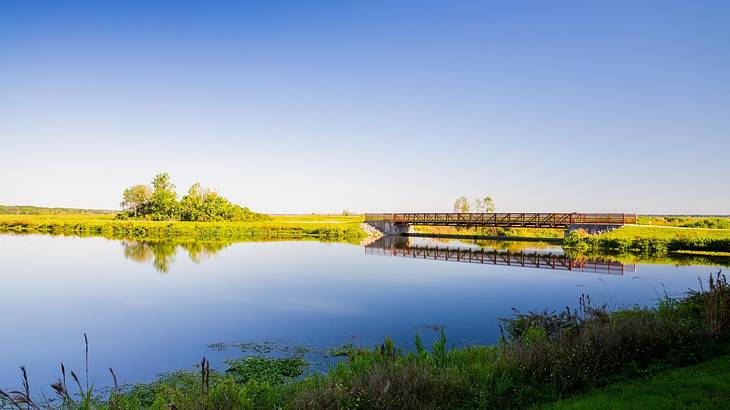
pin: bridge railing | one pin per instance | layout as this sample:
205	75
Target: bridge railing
512	219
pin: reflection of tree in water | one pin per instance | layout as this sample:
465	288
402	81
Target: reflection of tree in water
203	250
162	253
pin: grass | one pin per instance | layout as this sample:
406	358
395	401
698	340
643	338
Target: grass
543	358
704	253
510	232
713	222
653	239
326	227
702	386
677	258
39	210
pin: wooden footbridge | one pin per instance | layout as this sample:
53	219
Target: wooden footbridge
394	223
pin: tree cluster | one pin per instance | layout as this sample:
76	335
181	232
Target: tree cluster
485	204
160	203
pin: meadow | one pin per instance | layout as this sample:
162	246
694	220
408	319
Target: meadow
712	222
324	227
652	239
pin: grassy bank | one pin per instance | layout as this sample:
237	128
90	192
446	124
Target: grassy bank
543	358
502	232
346	228
702	386
652	239
711	222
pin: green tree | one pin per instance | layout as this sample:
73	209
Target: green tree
488	203
461	204
484	205
191	205
135	197
163	204
199	204
205	205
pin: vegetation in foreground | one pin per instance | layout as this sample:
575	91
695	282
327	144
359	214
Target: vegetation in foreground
702	386
542	358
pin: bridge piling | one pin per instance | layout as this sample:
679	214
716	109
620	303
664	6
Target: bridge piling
390	228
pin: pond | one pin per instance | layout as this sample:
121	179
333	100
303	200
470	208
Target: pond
154	307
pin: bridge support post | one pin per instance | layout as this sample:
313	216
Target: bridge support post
390	228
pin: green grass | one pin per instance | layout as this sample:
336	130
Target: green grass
509	232
325	227
703	386
638	232
39	210
704	253
652	239
686	221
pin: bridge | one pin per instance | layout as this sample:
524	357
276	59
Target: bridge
400	223
527	259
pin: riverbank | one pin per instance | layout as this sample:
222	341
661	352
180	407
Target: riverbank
484	233
324	227
656	240
543	358
686	235
652	239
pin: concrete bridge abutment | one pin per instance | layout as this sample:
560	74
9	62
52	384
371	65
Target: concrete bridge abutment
390	228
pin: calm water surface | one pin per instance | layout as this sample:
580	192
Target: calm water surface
150	308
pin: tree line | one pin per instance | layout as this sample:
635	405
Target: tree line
485	204
159	202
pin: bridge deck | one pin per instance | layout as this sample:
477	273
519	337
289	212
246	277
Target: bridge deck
506	220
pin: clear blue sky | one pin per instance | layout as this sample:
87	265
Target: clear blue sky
370	105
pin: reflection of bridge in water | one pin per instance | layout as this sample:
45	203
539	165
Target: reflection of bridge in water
394	246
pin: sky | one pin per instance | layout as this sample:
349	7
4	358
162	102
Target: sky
298	107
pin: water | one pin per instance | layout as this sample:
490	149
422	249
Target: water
149	308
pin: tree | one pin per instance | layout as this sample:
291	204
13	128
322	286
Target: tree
488	203
200	204
163	203
461	205
135	197
205	205
478	205
484	205
191	205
